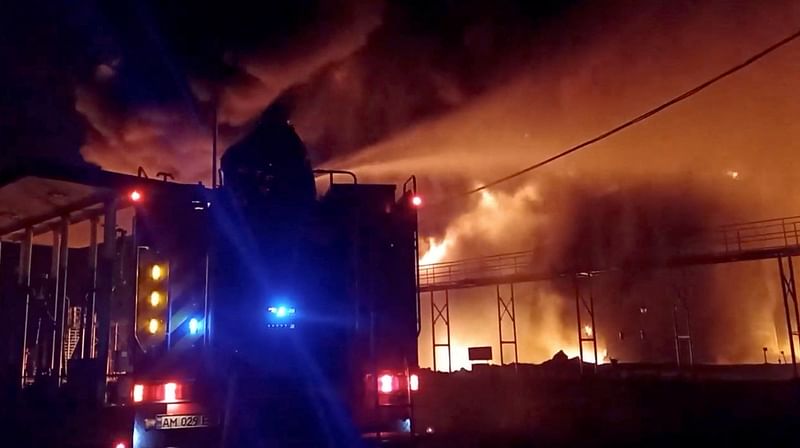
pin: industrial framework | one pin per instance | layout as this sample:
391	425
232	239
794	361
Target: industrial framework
777	239
55	199
41	201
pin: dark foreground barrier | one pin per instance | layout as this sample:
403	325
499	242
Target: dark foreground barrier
507	407
633	405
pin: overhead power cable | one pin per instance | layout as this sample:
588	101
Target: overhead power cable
642	117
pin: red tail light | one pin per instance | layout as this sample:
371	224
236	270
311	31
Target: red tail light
391	388
138	393
386	384
171	392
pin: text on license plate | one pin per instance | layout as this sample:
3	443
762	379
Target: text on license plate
182	421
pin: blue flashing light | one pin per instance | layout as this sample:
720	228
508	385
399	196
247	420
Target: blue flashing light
281	316
281	311
194	325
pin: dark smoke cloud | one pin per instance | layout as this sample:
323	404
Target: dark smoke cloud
630	231
427	59
360	77
604	224
167	66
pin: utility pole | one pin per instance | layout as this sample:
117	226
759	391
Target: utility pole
214	139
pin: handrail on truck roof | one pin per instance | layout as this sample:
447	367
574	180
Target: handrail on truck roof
33	193
331	173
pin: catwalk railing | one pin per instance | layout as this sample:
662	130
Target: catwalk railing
735	242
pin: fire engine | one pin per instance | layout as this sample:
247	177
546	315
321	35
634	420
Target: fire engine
258	313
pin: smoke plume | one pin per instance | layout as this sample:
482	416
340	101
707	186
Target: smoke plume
152	102
720	157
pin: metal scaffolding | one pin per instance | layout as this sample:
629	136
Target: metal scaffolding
59	358
758	240
587	332
789	292
681	322
47	341
440	312
89	316
24	285
41	200
506	308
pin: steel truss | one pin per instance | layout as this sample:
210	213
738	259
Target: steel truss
587	333
681	322
506	308
758	240
789	292
440	313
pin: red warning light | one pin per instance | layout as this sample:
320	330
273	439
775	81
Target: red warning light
416	201
135	196
413	382
385	384
138	393
170	392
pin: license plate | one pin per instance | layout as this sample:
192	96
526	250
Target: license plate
182	421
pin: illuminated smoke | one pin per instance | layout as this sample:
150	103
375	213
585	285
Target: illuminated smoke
160	140
723	156
493	221
572	225
268	77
